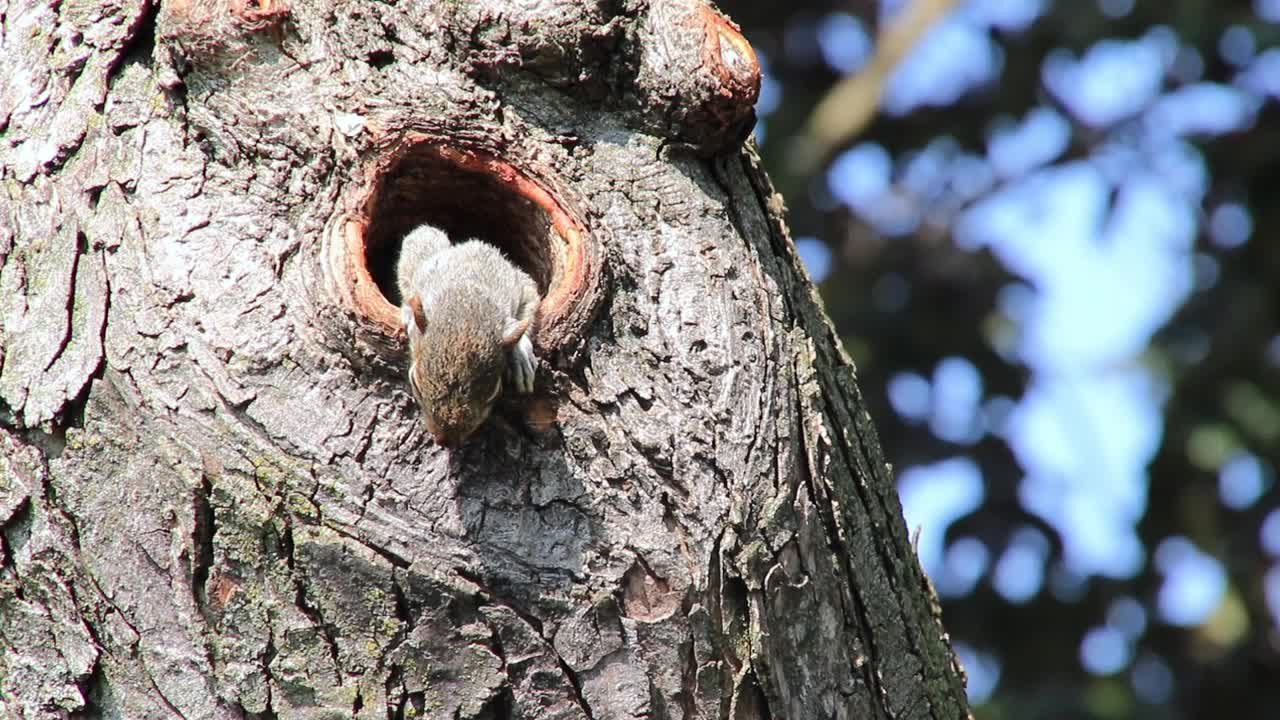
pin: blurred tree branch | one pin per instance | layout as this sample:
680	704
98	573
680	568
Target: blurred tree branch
847	109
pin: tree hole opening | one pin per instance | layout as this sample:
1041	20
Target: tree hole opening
471	194
431	186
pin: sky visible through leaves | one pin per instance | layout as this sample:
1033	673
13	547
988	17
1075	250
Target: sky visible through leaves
1105	247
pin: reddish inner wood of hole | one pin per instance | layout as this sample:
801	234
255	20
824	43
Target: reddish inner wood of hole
470	194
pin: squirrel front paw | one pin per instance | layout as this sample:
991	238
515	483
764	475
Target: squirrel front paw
522	364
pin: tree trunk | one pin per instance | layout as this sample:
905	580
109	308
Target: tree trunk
216	496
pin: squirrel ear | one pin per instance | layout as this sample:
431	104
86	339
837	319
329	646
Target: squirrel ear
514	331
412	316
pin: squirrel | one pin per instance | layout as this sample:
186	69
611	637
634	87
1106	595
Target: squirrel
467	311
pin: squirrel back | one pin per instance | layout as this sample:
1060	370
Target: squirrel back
421	243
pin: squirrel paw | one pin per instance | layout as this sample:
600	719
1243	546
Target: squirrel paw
522	362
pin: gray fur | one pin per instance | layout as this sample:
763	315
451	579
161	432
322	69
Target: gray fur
477	307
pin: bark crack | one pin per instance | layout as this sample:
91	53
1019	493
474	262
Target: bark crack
160	694
88	684
395	673
390	556
72	272
311	611
575	682
268	656
139	41
202	532
499	706
21	515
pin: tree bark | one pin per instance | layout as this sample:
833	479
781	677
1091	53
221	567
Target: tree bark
216	497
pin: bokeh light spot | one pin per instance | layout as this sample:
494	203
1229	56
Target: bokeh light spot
1237	45
1128	616
1016	149
957	392
1152	680
1271	588
1194	582
1006	15
1115	8
965	563
1242	480
1269	533
816	257
982	669
1230	225
1114	79
1104	651
1268	10
933	496
1019	574
955	55
910	395
1262	77
860	175
844	42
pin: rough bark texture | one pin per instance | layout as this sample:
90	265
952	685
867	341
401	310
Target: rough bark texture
215	496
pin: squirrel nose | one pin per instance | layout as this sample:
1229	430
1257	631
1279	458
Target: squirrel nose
443	437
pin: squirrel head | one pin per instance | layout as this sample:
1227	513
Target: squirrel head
458	353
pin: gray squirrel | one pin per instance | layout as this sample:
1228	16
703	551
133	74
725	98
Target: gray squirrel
467	312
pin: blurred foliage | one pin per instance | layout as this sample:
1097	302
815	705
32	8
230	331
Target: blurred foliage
907	301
